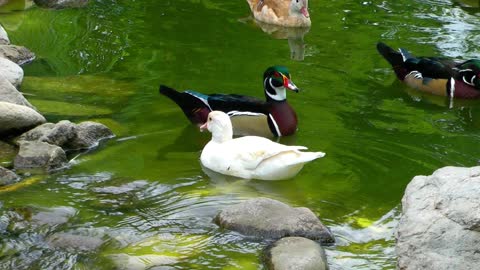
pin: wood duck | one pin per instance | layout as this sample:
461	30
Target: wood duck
436	75
249	115
289	13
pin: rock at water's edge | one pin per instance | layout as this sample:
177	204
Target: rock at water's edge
39	155
296	253
267	218
8	93
16	118
3	36
60	4
439	225
11	71
17	54
88	134
7	177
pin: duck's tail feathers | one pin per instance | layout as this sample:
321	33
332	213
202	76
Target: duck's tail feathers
395	58
304	157
195	107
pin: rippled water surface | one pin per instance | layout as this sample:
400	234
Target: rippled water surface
142	198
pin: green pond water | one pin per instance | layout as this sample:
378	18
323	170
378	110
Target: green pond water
144	192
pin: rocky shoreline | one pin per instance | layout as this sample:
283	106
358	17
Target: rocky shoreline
28	143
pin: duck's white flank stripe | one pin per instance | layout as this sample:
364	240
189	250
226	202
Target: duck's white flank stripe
236	113
452	87
275	125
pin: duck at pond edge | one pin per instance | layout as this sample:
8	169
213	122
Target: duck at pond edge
250	157
289	13
250	115
436	75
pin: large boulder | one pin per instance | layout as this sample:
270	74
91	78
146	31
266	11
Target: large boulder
9	93
440	223
267	218
60	4
17	54
15	118
39	155
296	253
68	135
3	36
7	177
11	71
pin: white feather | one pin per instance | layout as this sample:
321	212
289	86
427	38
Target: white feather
251	156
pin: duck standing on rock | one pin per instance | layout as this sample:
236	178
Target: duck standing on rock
250	157
250	115
289	13
436	75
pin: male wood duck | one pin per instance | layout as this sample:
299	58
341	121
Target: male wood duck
289	13
249	115
436	75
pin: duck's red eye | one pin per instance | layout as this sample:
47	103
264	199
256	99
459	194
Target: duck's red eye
276	74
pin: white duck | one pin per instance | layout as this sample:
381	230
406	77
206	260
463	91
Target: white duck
289	13
250	156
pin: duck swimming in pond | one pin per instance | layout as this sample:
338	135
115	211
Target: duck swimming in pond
290	13
250	157
436	75
250	115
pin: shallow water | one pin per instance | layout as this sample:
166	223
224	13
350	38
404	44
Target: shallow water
144	192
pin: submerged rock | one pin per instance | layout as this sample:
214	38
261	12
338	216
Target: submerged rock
7	153
267	218
440	223
8	93
296	253
68	135
16	118
129	262
7	177
53	216
39	155
60	4
3	35
17	54
75	241
11	71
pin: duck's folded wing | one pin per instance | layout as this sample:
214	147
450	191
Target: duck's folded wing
250	151
239	103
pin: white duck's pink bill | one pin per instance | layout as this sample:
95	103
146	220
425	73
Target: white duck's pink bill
203	127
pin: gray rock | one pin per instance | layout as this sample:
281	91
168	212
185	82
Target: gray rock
79	239
88	134
3	36
7	177
8	93
296	253
36	133
39	155
17	54
267	218
439	225
53	216
15	118
68	135
11	71
60	4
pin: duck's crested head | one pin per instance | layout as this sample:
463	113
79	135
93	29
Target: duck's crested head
275	80
220	125
299	8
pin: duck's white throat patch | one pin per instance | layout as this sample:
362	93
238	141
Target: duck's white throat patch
280	93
